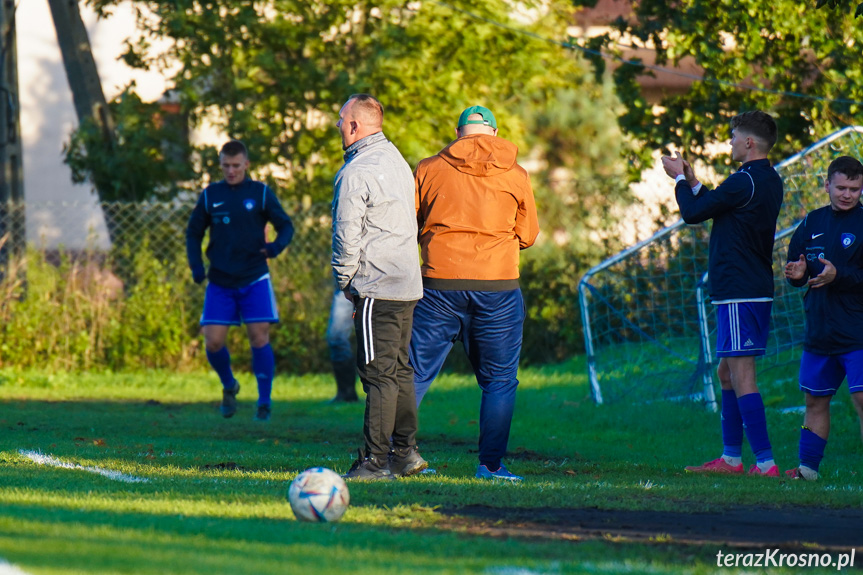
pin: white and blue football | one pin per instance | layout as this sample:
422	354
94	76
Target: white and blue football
319	495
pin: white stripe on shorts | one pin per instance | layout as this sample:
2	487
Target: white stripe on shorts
734	326
368	339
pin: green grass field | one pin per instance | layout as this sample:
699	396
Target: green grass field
214	496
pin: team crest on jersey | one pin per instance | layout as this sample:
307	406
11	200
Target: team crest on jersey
226	220
250	205
847	240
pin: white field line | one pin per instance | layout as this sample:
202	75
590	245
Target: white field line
7	568
506	570
42	459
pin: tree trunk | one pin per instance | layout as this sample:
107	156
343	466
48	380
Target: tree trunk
83	77
13	235
80	66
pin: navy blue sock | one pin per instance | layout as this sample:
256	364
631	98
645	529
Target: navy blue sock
755	425
221	362
811	448
264	364
732	425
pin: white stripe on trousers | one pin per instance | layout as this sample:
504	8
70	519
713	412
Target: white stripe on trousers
368	339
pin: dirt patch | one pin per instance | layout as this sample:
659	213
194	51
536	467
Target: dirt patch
232	465
751	527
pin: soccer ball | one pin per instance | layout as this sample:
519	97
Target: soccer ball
319	495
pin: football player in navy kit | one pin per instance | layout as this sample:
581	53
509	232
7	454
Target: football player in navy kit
744	209
236	210
826	254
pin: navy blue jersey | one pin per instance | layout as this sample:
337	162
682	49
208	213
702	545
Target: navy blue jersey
744	209
236	217
834	312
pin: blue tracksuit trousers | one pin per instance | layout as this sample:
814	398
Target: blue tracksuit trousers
489	325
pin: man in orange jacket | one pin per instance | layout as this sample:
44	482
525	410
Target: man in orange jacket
475	211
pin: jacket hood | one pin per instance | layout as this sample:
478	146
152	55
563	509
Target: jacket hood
480	155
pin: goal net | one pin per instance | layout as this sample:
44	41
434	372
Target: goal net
649	328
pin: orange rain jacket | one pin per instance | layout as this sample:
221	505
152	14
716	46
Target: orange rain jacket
475	211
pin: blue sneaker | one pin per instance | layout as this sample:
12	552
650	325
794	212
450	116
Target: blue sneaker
482	472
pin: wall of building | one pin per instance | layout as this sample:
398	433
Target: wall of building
59	212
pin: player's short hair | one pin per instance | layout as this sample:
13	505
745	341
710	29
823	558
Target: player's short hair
757	124
850	167
368	108
234	148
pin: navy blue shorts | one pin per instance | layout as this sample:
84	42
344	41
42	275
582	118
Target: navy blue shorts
822	375
254	303
742	328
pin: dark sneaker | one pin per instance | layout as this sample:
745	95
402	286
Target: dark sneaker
263	413
369	469
343	398
404	463
229	401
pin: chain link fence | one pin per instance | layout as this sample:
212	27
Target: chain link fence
124	265
112	233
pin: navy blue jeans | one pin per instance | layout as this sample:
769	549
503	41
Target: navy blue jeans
489	325
340	328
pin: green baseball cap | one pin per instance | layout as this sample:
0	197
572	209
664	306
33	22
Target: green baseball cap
487	117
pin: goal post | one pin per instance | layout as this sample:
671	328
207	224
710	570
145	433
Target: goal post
649	327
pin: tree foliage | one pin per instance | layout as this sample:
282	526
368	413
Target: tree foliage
148	159
274	73
781	56
840	3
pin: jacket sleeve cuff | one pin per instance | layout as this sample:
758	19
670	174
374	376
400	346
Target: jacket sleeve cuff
682	178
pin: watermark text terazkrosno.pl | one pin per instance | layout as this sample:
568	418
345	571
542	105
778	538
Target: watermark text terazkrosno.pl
775	558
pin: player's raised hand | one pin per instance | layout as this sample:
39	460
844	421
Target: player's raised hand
689	174
674	166
825	277
796	270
